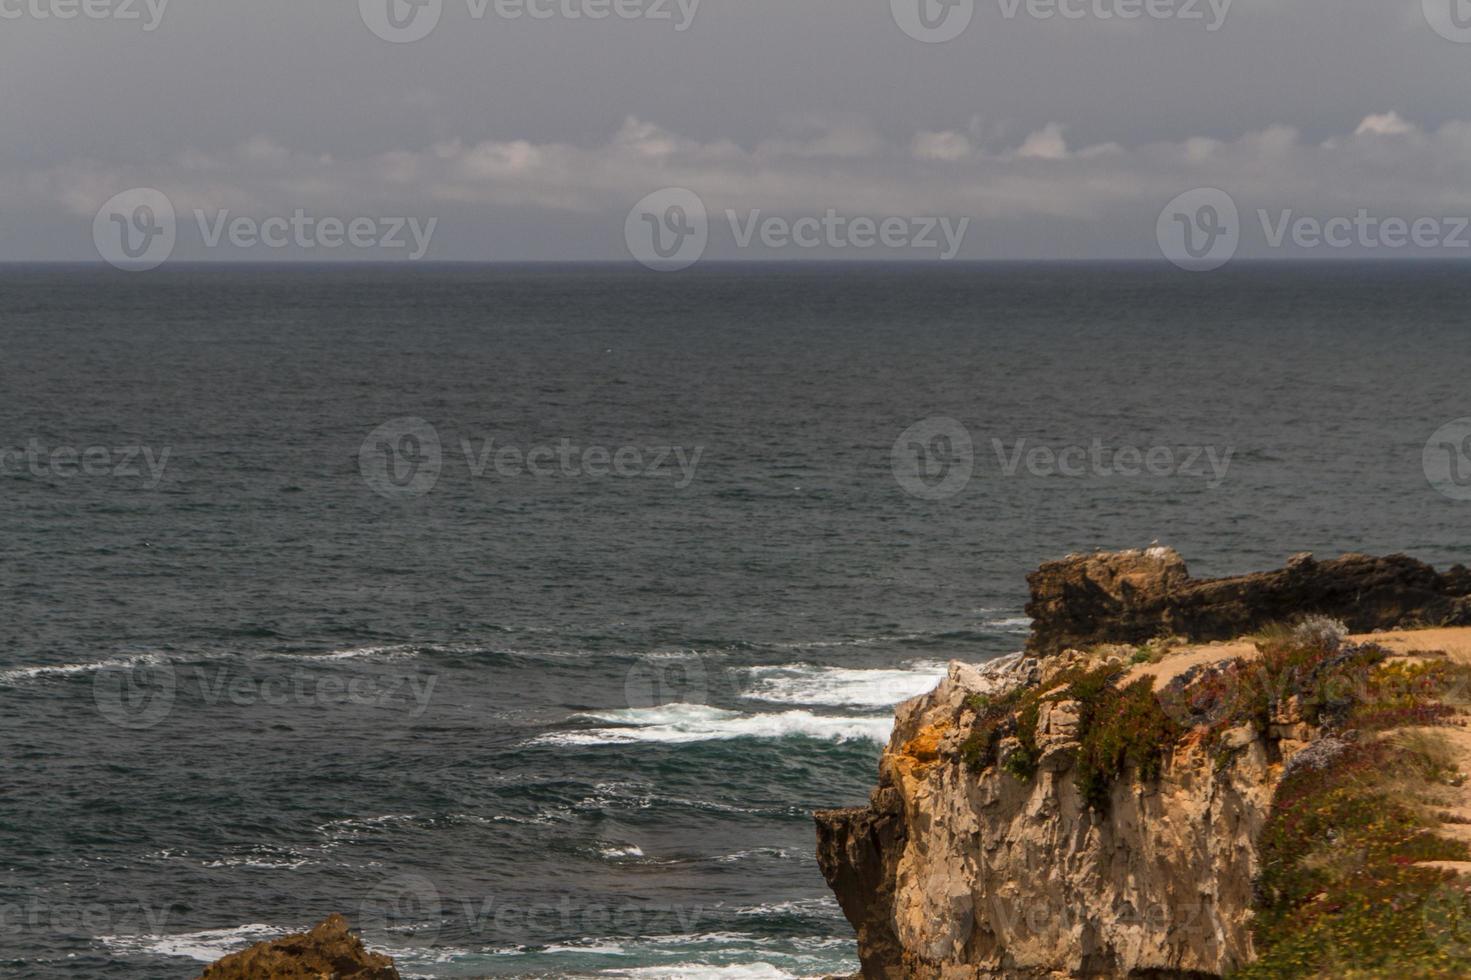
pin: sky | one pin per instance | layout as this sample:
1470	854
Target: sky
506	130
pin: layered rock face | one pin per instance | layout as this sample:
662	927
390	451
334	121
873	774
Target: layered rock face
957	871
328	950
949	874
1134	596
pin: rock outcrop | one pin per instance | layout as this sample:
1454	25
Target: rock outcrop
1135	596
328	952
948	874
985	853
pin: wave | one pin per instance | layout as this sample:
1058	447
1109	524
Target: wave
721	955
205	946
395	651
770	852
265	857
699	971
18	675
681	723
810	684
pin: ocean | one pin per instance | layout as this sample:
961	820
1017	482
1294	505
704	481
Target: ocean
524	614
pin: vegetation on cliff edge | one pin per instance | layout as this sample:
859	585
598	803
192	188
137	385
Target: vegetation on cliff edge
1343	889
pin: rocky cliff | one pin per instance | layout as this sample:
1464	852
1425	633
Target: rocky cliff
951	873
1057	816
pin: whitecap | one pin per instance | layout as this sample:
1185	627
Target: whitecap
680	723
383	652
205	946
594	948
17	675
843	686
701	971
776	852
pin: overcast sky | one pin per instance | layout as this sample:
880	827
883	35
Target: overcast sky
533	137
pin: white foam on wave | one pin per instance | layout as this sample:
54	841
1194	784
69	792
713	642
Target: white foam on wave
700	971
1012	624
679	723
205	946
399	651
19	675
263	856
843	686
757	852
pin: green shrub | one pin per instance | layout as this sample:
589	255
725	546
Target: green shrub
1121	729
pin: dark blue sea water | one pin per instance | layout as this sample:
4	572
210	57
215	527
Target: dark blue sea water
276	645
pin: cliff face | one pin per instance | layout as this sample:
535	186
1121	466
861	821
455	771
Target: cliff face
1134	596
1052	815
950	874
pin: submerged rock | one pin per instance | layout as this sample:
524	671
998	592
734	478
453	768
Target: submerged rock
328	952
1135	596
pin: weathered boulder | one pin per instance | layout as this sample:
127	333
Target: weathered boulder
328	952
1135	596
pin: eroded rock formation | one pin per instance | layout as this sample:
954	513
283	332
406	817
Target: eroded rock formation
952	874
329	950
1134	596
958	869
